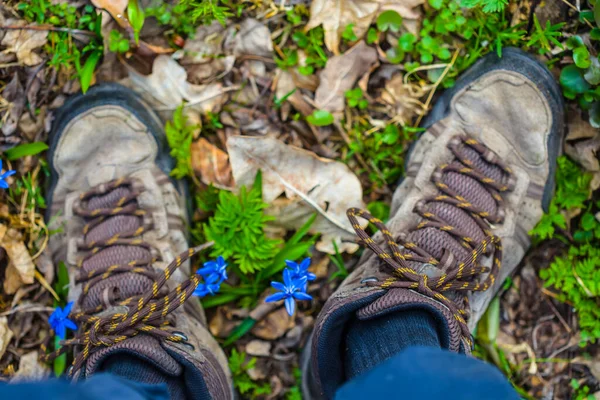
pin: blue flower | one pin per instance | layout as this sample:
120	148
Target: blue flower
59	321
216	267
300	270
214	273
3	183
290	290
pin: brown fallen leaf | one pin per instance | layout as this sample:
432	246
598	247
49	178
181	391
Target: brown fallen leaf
15	95
585	152
211	164
259	348
341	73
253	39
285	86
336	15
578	128
310	183
404	103
274	325
116	8
31	369
167	87
20	268
5	335
23	42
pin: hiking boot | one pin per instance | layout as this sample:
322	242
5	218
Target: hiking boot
477	181
122	235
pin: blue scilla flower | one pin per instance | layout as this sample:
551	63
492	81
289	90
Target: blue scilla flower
217	267
214	273
3	183
300	270
289	291
210	286
60	322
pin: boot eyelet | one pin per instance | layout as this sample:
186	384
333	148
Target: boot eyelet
181	335
369	279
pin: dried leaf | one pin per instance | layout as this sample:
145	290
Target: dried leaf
22	42
341	73
167	87
335	15
15	94
116	8
31	369
5	335
253	39
310	183
205	45
585	152
274	325
578	128
211	164
286	87
258	348
20	268
405	104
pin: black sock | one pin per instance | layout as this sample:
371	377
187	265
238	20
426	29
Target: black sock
369	342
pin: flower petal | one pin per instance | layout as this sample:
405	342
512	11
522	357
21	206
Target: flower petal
291	264
275	297
302	296
70	324
61	331
290	305
287	277
305	264
3	184
278	286
310	276
68	308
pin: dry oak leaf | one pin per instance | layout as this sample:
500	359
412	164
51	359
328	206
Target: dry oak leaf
20	268
310	184
341	73
211	164
5	335
22	42
167	87
335	15
116	8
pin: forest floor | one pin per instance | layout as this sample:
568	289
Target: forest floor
348	81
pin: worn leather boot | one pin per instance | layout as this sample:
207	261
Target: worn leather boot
122	235
477	181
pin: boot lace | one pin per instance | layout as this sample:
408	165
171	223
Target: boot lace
147	312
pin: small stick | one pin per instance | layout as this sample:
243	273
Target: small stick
48	28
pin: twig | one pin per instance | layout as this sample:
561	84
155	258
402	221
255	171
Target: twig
48	28
437	83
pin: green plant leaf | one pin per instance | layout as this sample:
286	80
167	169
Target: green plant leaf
389	20
320	118
219	299
395	55
23	150
595	115
87	72
372	36
239	331
136	18
436	4
581	57
572	79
